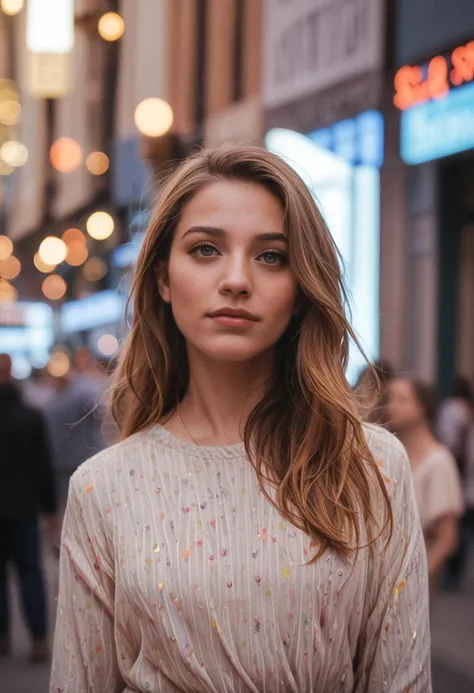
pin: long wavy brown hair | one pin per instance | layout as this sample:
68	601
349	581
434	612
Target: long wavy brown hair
305	438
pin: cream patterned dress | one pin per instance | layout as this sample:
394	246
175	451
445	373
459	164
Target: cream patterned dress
178	575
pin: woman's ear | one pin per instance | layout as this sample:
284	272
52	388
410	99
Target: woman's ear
163	282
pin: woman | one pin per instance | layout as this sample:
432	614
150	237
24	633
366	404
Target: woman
411	412
214	548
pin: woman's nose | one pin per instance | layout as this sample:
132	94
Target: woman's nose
235	277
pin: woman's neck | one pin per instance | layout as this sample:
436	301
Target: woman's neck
220	398
418	441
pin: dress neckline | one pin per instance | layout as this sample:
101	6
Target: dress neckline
169	440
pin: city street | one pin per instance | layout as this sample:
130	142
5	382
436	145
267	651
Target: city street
453	635
237	221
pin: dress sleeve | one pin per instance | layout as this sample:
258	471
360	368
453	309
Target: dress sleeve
394	646
443	492
84	656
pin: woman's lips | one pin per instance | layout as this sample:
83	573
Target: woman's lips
233	321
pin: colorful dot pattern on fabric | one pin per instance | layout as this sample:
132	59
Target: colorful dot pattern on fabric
178	574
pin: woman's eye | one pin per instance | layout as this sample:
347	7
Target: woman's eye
204	250
272	257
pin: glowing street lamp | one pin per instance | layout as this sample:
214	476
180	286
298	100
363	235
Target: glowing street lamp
77	254
74	236
97	163
59	364
65	155
95	269
108	344
12	7
53	250
153	117
10	112
100	225
111	26
10	268
14	153
54	287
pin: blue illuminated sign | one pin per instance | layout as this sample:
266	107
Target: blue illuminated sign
357	140
436	129
102	308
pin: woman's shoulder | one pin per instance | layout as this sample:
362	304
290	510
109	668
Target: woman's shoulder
391	459
107	464
387	450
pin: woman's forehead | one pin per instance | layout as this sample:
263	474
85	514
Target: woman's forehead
233	206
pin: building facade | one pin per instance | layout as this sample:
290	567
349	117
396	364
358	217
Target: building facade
203	57
323	86
432	179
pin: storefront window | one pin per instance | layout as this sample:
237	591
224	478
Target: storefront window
341	167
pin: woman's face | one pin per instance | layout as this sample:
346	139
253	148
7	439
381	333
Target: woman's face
228	279
403	408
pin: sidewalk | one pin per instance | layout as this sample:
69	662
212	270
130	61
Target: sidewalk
17	674
453	637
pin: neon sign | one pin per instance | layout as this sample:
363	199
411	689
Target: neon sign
415	84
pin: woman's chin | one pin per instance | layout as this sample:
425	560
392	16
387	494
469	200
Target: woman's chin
233	352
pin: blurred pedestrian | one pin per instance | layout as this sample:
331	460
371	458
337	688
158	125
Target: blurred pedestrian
75	418
27	490
215	547
455	422
38	390
469	486
370	390
411	411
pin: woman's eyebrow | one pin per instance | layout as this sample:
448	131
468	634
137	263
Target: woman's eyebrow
209	230
217	232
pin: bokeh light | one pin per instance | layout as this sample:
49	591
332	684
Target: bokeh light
54	287
5	169
65	155
53	250
77	254
97	163
10	268
12	7
42	266
153	117
8	293
100	225
6	247
95	269
8	90
10	112
108	344
74	236
111	26
14	153
59	364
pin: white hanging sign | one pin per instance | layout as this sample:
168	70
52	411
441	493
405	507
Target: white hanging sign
50	26
314	44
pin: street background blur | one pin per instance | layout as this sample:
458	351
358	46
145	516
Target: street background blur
372	101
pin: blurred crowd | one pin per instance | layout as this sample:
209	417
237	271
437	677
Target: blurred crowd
439	439
50	425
